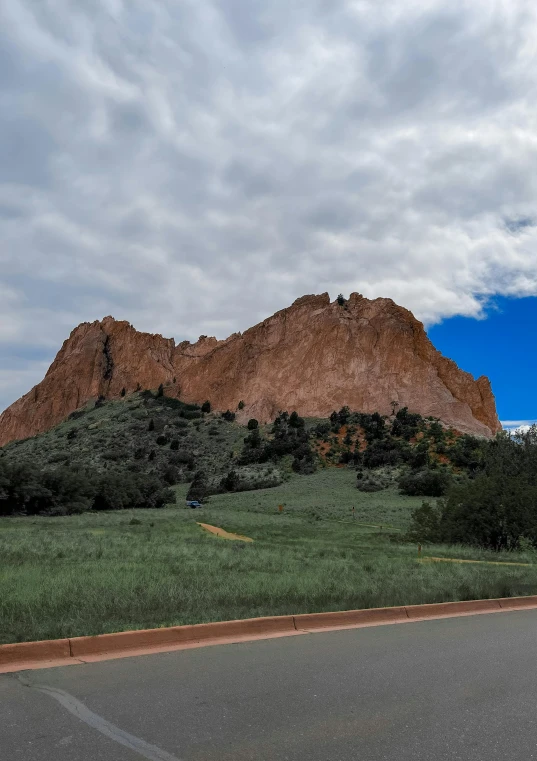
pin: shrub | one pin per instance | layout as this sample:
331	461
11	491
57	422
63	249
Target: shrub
231	481
424	524
437	432
192	414
183	457
295	421
58	457
419	455
406	424
321	430
369	484
199	488
305	464
468	452
382	452
425	482
171	475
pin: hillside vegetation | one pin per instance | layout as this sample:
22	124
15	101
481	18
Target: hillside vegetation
126	453
145	568
129	453
357	493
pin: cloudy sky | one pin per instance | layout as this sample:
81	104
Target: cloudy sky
194	166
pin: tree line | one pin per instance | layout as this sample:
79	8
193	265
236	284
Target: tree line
30	490
494	506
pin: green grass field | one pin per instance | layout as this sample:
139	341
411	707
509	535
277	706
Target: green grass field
102	572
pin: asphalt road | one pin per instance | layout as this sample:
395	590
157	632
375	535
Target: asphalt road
458	688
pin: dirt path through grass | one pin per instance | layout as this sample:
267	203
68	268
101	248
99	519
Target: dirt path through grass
458	560
140	569
224	534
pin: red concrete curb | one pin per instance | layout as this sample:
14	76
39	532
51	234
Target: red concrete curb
177	635
26	653
62	652
515	603
350	618
443	609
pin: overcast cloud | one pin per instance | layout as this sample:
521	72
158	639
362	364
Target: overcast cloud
194	166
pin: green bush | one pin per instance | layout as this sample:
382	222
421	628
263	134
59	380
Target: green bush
381	452
199	488
295	421
494	507
425	482
191	414
424	524
468	452
231	481
370	484
27	490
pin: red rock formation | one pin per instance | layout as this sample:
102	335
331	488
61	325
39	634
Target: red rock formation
313	357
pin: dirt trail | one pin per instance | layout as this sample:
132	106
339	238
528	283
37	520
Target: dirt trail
224	534
456	560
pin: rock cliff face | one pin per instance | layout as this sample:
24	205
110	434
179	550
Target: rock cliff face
313	357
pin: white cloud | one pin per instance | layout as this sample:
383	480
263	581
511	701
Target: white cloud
194	166
518	426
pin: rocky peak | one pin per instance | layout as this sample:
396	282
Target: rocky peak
314	356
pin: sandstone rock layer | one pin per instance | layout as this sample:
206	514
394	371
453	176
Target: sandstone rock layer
313	357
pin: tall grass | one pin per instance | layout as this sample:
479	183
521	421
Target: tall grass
99	572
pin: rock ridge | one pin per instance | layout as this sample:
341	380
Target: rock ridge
313	356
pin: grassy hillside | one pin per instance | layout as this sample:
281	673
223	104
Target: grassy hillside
116	569
108	571
141	430
126	453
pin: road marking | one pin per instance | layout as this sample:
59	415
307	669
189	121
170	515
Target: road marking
224	534
78	709
456	560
